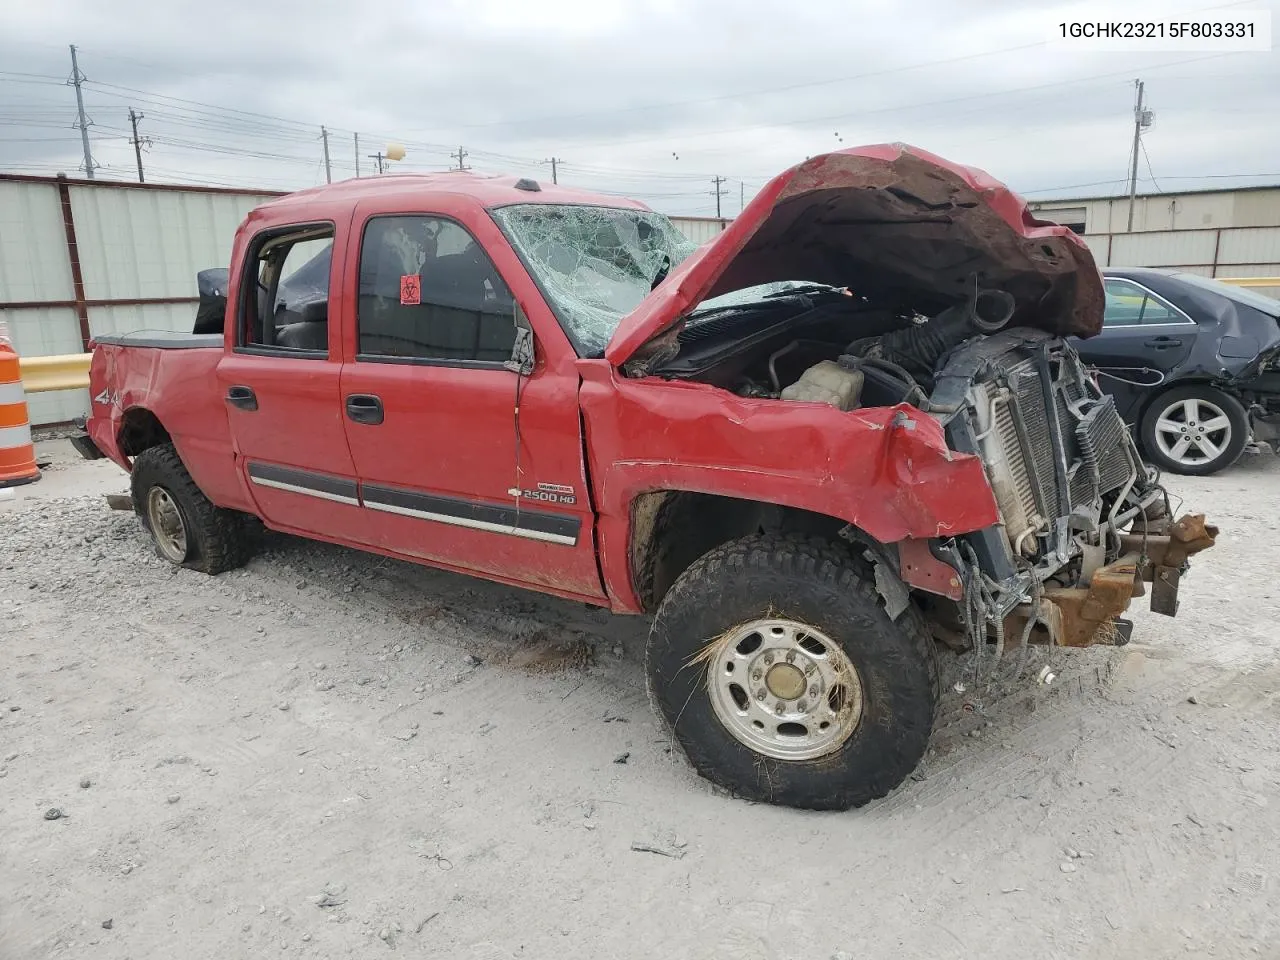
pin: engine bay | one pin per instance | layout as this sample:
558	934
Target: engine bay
801	347
1064	470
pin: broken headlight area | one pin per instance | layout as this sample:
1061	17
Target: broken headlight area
1062	564
1084	523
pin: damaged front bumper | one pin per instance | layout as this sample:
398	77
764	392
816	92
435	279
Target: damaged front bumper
1082	616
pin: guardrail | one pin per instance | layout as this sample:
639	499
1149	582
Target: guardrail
1253	283
71	371
66	372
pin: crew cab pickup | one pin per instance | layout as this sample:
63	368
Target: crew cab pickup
843	435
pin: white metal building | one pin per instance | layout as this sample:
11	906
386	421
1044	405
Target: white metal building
700	229
1215	233
84	258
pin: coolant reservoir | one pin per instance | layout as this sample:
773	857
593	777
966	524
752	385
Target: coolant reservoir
827	382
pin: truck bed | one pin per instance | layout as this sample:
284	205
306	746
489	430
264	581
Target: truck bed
168	378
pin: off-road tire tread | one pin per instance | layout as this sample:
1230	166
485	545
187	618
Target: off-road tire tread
221	537
834	565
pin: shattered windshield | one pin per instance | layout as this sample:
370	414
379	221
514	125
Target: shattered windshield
594	264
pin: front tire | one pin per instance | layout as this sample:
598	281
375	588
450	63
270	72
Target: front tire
186	528
1195	430
778	670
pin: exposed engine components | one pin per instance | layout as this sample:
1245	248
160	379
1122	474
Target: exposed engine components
827	382
918	348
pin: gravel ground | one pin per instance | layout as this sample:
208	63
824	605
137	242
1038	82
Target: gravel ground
328	754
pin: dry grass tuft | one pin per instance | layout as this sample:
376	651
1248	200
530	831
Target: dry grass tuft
542	653
1108	633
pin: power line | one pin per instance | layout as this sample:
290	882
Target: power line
1167	178
896	108
1147	157
1074	186
247	123
242	133
31	76
197	103
741	95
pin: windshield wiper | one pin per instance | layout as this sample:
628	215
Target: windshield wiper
661	274
802	290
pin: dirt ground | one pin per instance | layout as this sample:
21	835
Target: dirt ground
333	755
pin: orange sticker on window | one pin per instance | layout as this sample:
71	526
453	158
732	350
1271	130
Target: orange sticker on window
411	289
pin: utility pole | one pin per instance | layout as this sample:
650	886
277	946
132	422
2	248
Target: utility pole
328	173
357	138
1141	120
137	142
553	161
742	196
719	192
78	78
460	156
379	157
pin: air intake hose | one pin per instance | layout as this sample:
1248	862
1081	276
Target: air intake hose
918	348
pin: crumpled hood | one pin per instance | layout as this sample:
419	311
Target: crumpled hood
897	225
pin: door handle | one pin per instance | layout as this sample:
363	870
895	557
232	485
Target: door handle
364	408
242	397
1162	343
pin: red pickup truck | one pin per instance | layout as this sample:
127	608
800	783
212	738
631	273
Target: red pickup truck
846	431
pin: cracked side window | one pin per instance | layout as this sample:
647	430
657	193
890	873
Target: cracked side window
594	264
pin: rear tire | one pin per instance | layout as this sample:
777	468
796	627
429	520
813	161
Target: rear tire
185	527
1195	430
806	592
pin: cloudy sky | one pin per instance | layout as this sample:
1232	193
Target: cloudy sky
650	98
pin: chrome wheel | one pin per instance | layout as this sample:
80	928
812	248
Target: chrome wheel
784	689
1193	432
165	520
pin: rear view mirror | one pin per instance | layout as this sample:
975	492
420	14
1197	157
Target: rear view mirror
521	361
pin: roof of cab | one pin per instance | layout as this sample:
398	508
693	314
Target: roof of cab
486	189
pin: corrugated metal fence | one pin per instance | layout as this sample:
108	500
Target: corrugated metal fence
1217	252
81	258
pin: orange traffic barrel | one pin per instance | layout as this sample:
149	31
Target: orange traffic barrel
17	454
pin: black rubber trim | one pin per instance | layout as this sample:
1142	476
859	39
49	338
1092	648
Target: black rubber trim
86	447
557	524
285	352
431	361
319	482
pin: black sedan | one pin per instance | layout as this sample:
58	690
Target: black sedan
1193	364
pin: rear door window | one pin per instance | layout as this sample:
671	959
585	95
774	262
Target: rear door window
1131	305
